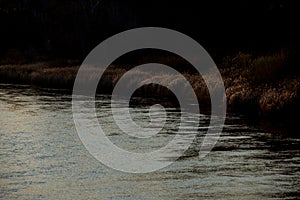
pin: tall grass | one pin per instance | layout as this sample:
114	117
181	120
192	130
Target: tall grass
254	84
38	74
261	84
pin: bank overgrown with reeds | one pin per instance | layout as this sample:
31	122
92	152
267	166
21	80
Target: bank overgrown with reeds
265	86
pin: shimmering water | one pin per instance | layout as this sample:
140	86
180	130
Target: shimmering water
41	157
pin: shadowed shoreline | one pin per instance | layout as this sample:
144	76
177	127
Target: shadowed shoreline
255	86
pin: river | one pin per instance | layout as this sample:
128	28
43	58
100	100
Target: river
42	157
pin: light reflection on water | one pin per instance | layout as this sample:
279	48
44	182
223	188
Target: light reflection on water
41	156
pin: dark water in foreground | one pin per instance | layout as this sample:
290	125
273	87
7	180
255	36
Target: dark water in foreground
41	157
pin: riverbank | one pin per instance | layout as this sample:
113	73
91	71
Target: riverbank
262	88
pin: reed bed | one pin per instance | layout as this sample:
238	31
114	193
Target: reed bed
254	85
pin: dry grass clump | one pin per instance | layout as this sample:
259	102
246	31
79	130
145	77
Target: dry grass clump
268	68
281	97
260	84
256	69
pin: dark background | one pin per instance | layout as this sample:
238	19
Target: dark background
47	29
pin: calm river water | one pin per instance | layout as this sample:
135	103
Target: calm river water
41	157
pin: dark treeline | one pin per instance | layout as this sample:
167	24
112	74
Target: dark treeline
43	29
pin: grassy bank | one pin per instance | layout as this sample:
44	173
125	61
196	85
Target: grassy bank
267	87
258	86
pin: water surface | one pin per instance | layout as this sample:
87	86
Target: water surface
41	156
